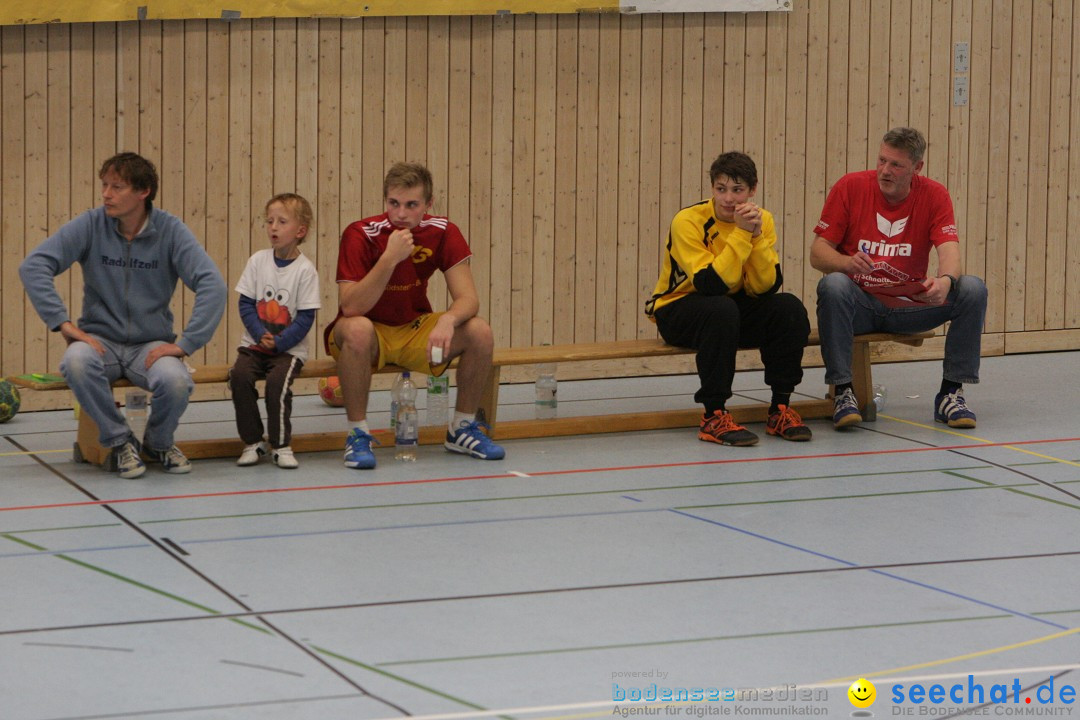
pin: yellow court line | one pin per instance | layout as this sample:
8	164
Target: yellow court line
34	452
982	440
957	658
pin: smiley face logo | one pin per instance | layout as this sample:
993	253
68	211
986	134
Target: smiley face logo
862	693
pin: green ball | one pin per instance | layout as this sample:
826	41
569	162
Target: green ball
9	401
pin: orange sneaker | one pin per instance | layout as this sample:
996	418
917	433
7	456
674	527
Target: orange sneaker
786	423
721	428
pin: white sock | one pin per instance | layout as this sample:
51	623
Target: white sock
460	419
359	425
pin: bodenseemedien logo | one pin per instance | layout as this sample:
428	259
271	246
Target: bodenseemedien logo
862	693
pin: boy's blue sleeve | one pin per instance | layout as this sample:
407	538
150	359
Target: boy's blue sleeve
297	330
249	314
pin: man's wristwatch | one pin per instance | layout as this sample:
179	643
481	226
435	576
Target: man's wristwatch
952	279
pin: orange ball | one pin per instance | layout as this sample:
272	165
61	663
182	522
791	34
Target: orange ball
330	391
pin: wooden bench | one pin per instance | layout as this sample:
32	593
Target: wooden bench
88	449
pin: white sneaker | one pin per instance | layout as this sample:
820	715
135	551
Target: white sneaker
252	454
284	458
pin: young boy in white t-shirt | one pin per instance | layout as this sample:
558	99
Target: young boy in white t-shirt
279	294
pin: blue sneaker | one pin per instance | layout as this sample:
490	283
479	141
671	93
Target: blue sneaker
471	440
358	450
950	408
845	410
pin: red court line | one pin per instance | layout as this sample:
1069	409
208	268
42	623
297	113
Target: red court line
544	473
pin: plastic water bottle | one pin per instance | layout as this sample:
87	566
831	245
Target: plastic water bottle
547	401
135	412
438	399
881	395
406	429
395	393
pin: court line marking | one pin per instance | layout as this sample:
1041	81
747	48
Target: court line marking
544	473
987	443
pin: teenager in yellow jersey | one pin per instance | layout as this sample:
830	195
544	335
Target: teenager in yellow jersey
717	293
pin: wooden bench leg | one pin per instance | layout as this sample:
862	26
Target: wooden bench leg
87	447
862	380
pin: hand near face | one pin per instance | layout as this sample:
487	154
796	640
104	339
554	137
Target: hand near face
748	217
399	245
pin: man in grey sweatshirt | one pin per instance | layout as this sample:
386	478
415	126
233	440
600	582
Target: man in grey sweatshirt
131	255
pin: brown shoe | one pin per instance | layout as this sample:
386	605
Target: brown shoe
786	423
721	428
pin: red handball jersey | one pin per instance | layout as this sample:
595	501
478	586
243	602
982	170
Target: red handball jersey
439	245
897	238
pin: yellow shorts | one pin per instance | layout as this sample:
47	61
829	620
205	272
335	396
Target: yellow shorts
404	345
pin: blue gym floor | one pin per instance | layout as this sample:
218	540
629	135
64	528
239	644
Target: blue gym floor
579	568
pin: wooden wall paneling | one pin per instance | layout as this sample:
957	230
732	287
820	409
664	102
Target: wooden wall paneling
734	81
12	196
375	158
105	90
815	180
1038	140
798	221
692	110
566	80
629	240
973	229
713	101
755	55
216	162
415	91
194	159
240	225
837	101
480	142
84	185
309	96
1018	157
327	138
900	30
438	102
500	255
606	221
520	223
585	179
282	86
771	165
1057	197
265	172
1072	214
150	91
859	91
877	110
397	113
454	188
58	171
544	188
128	42
921	36
652	227
35	180
351	148
948	123
998	192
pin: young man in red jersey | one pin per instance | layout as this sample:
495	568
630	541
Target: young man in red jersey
384	315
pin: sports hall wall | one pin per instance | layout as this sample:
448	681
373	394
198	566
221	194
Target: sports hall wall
561	144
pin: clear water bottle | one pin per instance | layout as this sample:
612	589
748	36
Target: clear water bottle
135	403
438	399
547	401
881	395
395	391
406	428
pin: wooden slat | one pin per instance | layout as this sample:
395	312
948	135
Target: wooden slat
496	296
798	219
651	222
628	301
521	221
754	109
282	91
814	179
858	48
1018	155
544	187
605	227
480	147
997	143
12	196
1038	140
566	157
585	247
59	158
1072	239
35	179
194	147
1057	196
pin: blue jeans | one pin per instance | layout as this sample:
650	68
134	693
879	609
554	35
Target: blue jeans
844	310
89	375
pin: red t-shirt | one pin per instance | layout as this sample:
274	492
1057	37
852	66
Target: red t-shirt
439	246
898	237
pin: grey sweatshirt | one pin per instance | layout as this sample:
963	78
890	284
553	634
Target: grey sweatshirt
127	287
